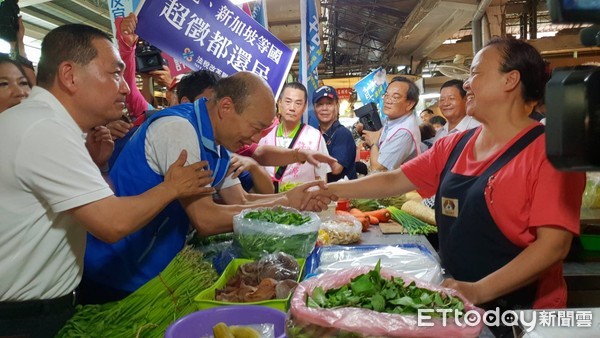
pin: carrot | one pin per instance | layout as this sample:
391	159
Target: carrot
364	221
383	215
357	213
373	220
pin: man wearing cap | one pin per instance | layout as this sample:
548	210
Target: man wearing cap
399	140
338	139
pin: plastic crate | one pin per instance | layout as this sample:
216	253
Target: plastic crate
590	242
206	298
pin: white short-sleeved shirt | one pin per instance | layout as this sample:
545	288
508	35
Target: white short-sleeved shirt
165	139
399	141
45	171
467	122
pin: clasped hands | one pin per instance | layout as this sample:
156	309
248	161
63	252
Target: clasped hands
312	196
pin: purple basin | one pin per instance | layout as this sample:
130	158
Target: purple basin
200	323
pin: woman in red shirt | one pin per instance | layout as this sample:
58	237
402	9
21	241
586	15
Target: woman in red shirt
505	216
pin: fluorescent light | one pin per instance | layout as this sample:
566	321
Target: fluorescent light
429	96
426	75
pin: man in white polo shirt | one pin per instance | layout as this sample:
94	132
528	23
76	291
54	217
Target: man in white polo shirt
453	106
52	188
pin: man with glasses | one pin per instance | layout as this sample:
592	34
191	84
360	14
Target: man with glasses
338	139
399	139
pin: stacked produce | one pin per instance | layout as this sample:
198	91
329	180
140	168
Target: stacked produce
360	302
411	224
272	277
221	330
152	308
279	229
420	211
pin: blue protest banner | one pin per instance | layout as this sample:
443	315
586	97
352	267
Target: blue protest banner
311	54
215	35
372	87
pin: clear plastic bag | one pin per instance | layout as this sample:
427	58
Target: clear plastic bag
591	194
412	260
303	321
341	229
253	238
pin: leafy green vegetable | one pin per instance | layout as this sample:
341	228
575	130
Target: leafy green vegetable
365	204
411	224
278	215
396	201
372	291
254	245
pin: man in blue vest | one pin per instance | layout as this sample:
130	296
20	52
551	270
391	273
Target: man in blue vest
241	106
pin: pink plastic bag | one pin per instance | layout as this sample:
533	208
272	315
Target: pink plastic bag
368	323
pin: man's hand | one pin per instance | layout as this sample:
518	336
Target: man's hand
162	76
371	137
239	164
315	158
100	145
128	29
468	290
309	196
119	128
190	180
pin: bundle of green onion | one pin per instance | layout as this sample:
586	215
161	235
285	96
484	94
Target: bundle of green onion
152	308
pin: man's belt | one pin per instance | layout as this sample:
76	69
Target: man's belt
37	307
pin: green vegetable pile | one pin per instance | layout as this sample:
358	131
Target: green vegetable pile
411	224
372	291
152	308
278	215
254	246
365	204
396	201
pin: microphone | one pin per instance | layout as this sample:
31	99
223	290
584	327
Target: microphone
590	36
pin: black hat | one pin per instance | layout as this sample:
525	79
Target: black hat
324	91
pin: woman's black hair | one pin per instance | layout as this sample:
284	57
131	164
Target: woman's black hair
520	56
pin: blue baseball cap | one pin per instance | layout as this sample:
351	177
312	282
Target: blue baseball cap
324	91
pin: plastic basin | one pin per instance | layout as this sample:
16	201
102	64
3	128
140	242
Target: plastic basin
200	323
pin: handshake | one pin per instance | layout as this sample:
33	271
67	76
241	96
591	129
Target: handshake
312	196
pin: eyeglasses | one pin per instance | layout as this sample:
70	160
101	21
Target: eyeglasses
392	98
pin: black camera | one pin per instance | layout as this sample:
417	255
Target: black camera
148	57
573	118
573	99
9	20
369	117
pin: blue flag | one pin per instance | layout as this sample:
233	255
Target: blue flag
311	54
259	13
372	87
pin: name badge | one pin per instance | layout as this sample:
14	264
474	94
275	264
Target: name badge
450	207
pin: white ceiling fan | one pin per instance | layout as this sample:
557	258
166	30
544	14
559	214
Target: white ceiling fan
455	69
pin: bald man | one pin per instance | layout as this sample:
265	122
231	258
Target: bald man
241	107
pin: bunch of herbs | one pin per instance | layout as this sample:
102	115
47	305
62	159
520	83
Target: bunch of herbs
374	292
